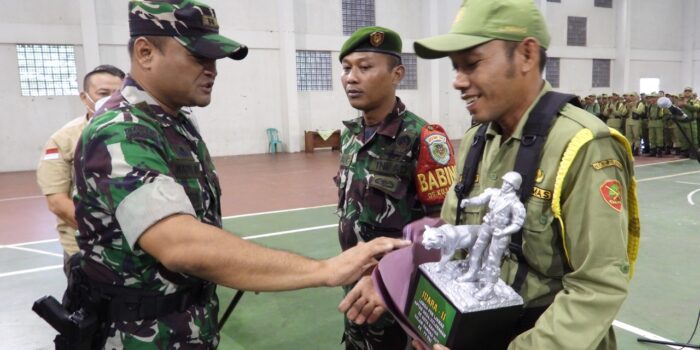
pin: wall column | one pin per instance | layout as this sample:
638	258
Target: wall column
88	28
687	66
290	130
621	65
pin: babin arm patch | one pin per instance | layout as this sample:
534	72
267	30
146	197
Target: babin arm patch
611	190
435	170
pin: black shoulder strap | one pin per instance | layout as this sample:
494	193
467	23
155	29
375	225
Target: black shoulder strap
471	164
528	159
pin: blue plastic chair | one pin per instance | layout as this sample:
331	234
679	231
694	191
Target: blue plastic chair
273	140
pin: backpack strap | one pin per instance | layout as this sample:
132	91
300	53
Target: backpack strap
534	137
471	164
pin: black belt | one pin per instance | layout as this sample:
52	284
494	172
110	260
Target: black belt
132	304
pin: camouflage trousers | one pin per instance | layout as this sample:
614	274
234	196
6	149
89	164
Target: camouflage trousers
385	334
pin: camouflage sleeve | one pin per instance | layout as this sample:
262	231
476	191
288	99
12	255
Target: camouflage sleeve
435	168
130	176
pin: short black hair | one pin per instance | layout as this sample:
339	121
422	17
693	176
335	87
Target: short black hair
394	61
512	45
157	41
103	68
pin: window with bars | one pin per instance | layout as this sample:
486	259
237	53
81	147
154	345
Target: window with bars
314	70
47	70
410	79
603	3
601	73
559	1
576	31
357	14
551	71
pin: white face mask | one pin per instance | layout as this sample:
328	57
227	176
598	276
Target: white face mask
92	110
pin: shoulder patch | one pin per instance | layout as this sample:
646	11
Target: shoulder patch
51	154
437	145
611	190
607	163
435	170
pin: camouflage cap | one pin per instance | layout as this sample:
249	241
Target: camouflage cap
372	39
688	88
191	23
480	21
604	96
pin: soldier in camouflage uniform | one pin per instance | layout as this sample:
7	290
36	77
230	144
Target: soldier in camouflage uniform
395	167
147	201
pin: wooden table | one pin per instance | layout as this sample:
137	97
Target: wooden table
313	140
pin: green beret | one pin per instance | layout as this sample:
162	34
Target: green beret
372	39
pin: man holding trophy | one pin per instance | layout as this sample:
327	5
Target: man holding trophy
573	258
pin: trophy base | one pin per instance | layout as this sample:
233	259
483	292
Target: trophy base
445	311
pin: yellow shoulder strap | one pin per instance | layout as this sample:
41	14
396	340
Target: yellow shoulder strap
577	142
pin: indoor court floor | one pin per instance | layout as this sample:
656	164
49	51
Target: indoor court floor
285	201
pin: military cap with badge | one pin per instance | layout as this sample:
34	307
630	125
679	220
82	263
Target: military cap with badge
191	23
373	39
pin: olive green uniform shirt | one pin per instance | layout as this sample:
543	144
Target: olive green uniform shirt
586	295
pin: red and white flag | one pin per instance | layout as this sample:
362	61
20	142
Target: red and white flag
51	153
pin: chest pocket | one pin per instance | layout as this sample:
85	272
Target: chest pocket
390	176
187	173
542	244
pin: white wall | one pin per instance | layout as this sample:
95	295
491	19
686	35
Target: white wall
254	94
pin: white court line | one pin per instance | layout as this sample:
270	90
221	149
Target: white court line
658	163
19	198
688	183
276	211
29	243
642	333
34	251
690	196
22	272
290	231
668	176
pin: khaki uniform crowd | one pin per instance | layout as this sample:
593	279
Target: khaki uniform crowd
650	129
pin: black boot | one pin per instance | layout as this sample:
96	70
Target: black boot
659	152
668	150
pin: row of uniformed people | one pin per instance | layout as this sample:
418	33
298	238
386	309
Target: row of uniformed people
649	128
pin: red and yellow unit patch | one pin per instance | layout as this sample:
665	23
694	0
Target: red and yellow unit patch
611	191
435	170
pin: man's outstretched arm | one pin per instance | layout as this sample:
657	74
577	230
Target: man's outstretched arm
183	244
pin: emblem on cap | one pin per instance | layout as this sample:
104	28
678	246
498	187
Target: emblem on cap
376	38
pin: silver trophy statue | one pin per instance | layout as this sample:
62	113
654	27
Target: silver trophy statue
471	287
